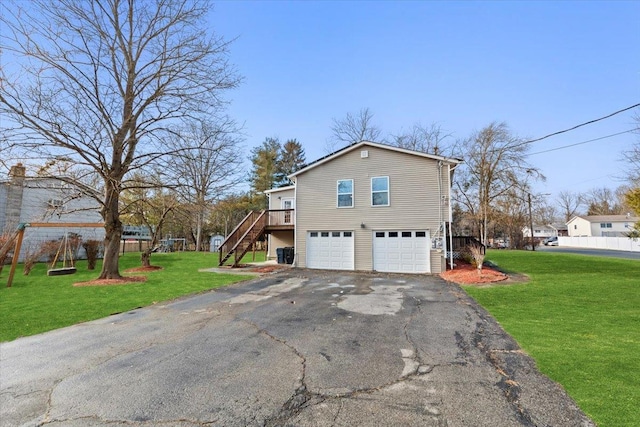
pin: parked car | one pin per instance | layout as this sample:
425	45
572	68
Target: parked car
550	241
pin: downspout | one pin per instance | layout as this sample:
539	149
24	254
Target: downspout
441	223
450	218
295	221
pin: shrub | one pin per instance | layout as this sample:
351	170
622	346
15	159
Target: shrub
31	256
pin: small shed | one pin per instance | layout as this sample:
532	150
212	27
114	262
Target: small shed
215	241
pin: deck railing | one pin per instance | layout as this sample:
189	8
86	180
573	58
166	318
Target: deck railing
281	217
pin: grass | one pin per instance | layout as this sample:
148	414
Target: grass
38	303
579	318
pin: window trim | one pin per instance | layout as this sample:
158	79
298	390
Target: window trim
338	194
388	191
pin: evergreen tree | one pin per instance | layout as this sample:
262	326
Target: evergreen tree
265	159
291	159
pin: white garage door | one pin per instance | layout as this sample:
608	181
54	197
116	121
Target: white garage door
401	251
331	250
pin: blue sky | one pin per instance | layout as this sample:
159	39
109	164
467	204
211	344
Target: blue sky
538	66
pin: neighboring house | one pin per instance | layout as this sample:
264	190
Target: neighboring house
35	199
601	225
366	207
540	231
544	231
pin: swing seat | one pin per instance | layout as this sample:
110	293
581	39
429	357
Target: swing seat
61	271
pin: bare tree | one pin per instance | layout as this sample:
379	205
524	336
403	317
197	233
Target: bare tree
100	82
631	158
207	168
352	129
432	139
147	201
495	162
569	203
605	201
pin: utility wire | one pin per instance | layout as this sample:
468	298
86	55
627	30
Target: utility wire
576	126
583	142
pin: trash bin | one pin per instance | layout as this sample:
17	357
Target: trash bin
280	255
288	255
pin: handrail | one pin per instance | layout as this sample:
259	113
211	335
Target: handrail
251	226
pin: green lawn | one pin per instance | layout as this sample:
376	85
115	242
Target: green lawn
579	318
38	303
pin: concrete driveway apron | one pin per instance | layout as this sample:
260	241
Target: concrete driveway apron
299	348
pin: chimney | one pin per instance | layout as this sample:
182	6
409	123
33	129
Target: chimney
15	191
17	171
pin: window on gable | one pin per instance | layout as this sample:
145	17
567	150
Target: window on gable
345	193
380	191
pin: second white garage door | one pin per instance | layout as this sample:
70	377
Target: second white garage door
330	250
402	251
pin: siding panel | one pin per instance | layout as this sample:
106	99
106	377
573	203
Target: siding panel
415	200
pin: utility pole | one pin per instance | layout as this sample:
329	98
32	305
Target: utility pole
533	242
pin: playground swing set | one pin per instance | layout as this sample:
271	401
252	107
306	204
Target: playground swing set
67	256
68	266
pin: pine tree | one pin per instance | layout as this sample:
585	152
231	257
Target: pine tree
291	159
265	159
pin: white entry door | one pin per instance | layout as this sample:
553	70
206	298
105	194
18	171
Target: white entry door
330	250
401	251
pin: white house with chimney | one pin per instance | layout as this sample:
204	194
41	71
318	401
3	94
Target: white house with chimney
25	199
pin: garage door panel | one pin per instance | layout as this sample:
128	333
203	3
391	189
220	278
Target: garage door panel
402	251
330	250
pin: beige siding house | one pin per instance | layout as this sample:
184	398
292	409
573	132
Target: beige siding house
280	201
370	207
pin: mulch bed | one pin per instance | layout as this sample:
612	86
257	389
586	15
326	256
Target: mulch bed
143	269
113	282
466	274
126	280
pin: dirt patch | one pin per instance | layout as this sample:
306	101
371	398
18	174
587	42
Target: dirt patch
466	274
143	269
113	282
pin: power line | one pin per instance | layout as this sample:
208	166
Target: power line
576	126
583	142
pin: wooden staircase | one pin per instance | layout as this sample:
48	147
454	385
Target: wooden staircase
242	238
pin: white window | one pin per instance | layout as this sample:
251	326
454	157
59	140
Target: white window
380	191
345	193
55	203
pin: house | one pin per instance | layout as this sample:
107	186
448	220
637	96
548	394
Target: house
367	207
601	225
543	231
26	199
540	231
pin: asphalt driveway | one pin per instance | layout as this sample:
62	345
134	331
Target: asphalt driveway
299	348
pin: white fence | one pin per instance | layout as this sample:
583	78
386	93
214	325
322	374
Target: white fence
612	243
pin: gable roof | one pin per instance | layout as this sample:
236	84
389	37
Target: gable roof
607	218
275	190
360	144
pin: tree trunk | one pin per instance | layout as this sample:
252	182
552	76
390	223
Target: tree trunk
113	233
146	258
199	221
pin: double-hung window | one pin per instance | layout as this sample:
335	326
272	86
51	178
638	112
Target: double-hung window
380	191
345	193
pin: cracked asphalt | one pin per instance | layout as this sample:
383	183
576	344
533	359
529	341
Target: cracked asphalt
297	348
